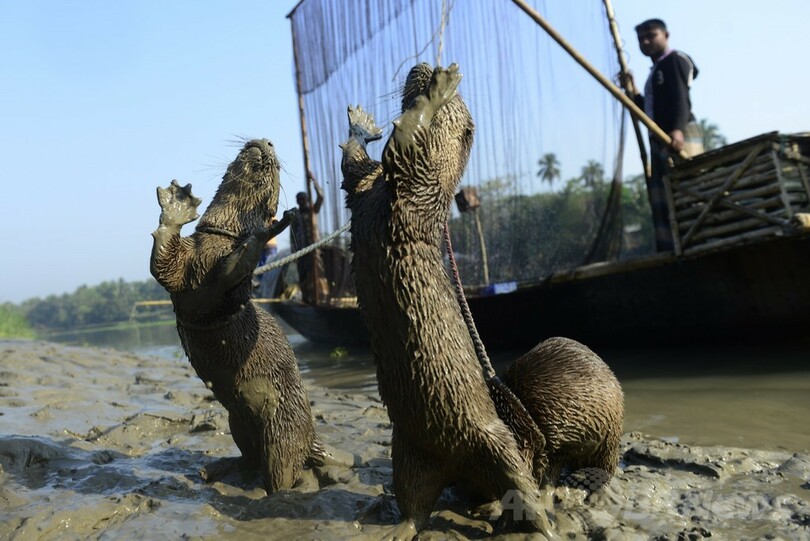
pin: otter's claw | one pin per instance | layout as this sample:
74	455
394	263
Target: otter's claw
178	204
289	215
361	124
443	85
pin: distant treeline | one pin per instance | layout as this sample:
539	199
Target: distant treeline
102	304
527	236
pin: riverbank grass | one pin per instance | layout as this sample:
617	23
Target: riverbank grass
14	325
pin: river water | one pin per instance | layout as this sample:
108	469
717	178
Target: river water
734	395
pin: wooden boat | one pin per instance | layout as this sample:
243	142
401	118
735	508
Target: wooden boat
742	275
738	268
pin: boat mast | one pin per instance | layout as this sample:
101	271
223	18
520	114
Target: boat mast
634	109
305	144
617	40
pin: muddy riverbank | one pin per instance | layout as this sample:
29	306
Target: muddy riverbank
99	443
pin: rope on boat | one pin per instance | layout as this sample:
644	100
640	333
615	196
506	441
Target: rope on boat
303	251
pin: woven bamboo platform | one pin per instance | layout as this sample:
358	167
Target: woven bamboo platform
750	189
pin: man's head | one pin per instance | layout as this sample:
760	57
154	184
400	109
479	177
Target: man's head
653	38
302	200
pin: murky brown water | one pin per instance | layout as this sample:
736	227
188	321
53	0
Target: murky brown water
743	396
754	397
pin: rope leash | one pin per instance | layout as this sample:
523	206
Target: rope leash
303	251
480	350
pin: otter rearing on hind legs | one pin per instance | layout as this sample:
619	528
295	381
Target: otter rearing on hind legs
235	347
445	425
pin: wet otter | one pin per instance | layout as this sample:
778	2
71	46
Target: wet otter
445	425
576	402
235	347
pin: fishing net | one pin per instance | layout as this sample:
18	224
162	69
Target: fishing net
527	97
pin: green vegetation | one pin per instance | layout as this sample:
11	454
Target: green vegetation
13	323
530	236
106	304
549	169
712	138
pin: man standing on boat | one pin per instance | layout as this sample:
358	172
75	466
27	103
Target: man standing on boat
666	100
303	232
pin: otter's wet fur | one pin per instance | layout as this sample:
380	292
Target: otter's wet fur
445	426
576	402
236	348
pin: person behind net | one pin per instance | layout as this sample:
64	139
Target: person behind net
666	100
303	232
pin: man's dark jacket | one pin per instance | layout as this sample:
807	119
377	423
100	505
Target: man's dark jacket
670	79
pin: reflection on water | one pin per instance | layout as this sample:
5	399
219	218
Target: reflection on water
135	338
743	397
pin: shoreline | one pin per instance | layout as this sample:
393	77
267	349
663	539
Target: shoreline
99	443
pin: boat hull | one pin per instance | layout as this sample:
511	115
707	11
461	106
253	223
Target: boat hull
758	292
337	326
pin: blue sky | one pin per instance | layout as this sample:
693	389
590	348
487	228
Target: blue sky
100	102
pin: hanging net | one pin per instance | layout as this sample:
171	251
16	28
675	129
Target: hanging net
528	98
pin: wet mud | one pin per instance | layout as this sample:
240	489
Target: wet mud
103	444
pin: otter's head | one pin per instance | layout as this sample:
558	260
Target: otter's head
451	131
247	198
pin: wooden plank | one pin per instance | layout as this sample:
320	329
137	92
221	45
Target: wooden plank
790	179
686	214
715	177
687	194
755	193
726	229
790	173
776	216
803	175
721	156
778	165
673	222
720	192
729	241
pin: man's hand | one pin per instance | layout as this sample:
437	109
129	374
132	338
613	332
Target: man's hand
316	208
627	82
677	143
314	181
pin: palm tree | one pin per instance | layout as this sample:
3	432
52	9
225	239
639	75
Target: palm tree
712	138
592	174
549	168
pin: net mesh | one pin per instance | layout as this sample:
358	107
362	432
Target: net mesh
527	97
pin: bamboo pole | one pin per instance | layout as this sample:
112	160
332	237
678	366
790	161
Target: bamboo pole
305	145
617	40
634	109
482	244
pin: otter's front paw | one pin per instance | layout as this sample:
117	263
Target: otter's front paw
443	85
178	204
289	215
362	125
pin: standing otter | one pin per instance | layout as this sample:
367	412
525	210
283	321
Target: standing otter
445	426
236	348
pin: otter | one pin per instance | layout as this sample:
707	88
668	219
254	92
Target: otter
576	402
235	347
445	425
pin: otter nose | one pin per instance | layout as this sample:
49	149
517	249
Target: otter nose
268	142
